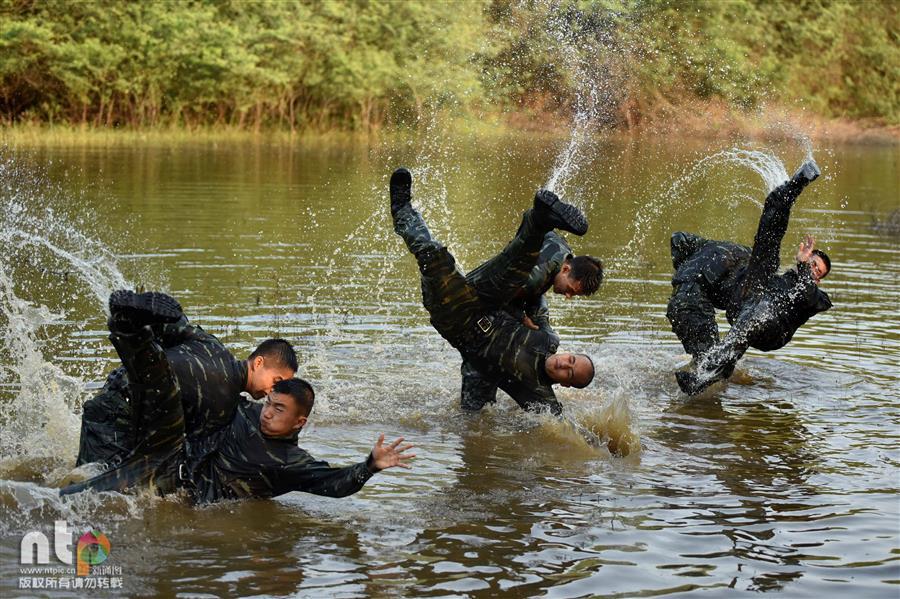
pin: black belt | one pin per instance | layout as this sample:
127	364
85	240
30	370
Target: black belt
485	325
478	331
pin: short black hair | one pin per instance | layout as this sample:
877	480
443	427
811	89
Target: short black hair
589	271
593	371
301	391
279	351
824	258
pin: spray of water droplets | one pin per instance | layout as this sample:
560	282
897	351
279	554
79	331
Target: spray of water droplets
49	265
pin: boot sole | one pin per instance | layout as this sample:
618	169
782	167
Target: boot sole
807	173
145	308
401	185
572	218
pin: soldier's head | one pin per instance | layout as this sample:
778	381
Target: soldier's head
287	408
570	370
274	360
578	275
820	265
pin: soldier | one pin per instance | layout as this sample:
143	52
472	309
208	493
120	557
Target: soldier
521	361
764	308
255	455
557	269
210	378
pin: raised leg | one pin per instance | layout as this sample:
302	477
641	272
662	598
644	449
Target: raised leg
773	224
693	318
498	279
450	300
159	419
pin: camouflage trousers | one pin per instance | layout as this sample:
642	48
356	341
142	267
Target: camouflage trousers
454	302
692	307
156	415
696	295
107	434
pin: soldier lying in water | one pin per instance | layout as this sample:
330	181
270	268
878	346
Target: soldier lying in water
557	269
521	361
210	378
764	308
254	455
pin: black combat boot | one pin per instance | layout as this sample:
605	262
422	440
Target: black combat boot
552	213
401	189
130	311
683	246
806	174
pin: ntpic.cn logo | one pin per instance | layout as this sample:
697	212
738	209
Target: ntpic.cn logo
92	548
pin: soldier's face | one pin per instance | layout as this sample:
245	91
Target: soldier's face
818	268
280	416
565	284
261	378
569	369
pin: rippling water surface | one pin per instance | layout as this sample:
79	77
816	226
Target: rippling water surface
785	479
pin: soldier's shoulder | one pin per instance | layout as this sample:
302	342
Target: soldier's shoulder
555	241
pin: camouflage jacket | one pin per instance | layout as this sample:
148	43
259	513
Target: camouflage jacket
210	378
241	462
530	299
721	267
514	356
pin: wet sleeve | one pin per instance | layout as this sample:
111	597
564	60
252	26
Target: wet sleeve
533	397
319	478
539	312
538	278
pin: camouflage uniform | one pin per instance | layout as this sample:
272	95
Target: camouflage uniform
498	345
240	462
237	461
157	417
478	389
765	309
209	376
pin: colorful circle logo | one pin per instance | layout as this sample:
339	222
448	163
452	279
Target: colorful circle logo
93	548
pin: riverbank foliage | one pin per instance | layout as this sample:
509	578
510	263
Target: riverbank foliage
361	64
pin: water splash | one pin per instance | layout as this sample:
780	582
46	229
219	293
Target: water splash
50	265
763	162
588	51
677	197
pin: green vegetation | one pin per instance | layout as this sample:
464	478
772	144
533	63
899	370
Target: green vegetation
359	64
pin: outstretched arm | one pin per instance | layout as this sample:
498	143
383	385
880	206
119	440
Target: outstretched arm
391	455
319	478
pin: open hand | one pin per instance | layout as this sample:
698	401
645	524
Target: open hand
393	454
806	249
